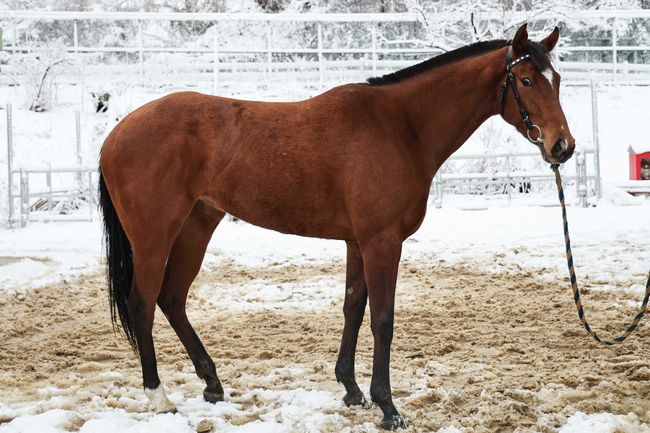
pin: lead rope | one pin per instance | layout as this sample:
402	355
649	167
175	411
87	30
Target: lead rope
574	282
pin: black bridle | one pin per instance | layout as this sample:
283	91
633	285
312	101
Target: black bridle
512	83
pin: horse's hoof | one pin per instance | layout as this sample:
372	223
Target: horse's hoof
393	422
212	396
355	398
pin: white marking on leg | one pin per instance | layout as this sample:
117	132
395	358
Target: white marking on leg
350	290
548	73
158	400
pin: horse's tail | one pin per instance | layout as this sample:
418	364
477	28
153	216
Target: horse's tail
119	265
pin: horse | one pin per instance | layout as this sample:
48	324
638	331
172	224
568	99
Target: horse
354	163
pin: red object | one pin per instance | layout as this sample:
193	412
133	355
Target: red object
639	165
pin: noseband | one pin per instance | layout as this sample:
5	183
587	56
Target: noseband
512	83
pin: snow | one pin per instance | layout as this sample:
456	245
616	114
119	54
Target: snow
639	148
52	421
45	252
297	409
604	423
610	243
497	239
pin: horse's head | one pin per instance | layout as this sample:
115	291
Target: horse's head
530	96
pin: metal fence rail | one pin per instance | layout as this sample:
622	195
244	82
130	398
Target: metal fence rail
219	60
82	187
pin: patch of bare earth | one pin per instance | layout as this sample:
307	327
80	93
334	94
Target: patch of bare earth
483	352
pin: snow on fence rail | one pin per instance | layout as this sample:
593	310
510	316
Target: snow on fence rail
213	59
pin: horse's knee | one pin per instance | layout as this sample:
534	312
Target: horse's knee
353	314
382	327
353	307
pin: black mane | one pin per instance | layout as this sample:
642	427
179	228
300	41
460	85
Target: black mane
538	54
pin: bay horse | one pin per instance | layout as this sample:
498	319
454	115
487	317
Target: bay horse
354	163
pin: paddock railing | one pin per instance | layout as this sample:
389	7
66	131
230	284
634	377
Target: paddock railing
509	181
317	53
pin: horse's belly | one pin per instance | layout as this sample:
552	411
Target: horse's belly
310	228
295	211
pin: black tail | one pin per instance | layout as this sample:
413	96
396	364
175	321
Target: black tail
119	261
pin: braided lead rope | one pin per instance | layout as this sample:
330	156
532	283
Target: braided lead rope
574	282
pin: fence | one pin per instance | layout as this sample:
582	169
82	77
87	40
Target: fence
54	200
511	180
213	60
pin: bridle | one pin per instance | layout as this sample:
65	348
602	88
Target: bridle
512	83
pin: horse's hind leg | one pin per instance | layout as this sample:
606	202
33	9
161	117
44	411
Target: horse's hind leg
182	267
151	249
148	272
356	295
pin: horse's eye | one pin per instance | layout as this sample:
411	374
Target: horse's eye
527	82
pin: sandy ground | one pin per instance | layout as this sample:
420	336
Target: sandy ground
481	352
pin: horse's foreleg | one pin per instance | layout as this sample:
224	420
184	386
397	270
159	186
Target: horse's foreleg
356	295
182	267
381	261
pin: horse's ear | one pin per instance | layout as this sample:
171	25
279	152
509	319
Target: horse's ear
520	40
551	40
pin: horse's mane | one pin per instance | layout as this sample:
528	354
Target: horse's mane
538	54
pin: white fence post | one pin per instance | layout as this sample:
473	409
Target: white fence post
581	171
594	133
75	37
321	65
269	54
373	43
614	48
141	51
77	118
10	157
215	61
508	180
90	195
14	45
24	198
48	177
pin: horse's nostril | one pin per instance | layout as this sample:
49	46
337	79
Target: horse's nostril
559	148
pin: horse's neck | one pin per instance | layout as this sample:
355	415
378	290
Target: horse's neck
447	104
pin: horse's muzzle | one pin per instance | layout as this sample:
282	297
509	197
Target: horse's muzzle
561	151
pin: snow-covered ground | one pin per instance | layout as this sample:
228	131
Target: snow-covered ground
610	247
609	242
